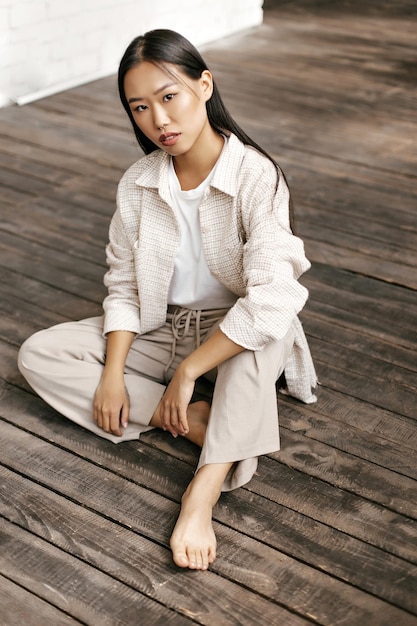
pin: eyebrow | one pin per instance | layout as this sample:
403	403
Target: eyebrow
155	93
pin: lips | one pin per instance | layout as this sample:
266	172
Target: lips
168	139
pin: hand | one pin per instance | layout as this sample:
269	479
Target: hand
111	405
172	408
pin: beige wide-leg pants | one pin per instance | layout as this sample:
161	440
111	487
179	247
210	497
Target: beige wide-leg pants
63	364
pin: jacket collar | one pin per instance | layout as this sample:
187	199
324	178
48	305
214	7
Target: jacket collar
225	178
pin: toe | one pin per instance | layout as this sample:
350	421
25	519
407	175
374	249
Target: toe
180	558
193	559
204	561
211	555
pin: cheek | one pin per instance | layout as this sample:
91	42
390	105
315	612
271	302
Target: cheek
140	121
197	111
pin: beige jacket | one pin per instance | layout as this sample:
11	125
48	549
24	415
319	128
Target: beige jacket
247	243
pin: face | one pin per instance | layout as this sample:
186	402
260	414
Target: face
169	108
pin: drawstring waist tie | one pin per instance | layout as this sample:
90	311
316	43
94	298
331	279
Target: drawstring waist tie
184	320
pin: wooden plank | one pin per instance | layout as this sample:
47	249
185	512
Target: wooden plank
367	307
45	466
237	604
379	393
392	8
73	164
73	586
347	338
12	197
394	252
305	95
108	110
24	183
360	263
54	267
395	153
344	188
366	286
17	322
379	371
101	147
18	607
143	564
8	366
342	437
397	236
376	327
69	226
355	414
13	163
331	464
30	291
359	414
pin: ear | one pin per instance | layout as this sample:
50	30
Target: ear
206	85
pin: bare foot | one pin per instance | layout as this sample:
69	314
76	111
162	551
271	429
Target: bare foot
193	542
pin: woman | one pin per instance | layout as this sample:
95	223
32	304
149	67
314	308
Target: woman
202	282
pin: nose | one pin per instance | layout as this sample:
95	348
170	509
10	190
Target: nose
160	117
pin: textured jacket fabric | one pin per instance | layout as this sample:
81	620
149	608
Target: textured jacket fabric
247	244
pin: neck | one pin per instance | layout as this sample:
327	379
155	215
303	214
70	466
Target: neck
194	166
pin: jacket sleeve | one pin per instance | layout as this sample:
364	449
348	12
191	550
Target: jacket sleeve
121	305
273	260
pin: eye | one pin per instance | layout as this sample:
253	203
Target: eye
168	97
139	108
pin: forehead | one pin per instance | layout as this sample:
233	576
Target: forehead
146	78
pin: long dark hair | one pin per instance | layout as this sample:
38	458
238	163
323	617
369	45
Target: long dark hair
166	47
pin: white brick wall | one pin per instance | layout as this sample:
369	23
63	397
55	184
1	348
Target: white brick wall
50	45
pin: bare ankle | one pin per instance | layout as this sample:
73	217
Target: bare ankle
193	542
198	414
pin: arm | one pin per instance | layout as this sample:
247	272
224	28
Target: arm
111	401
121	324
273	259
172	409
121	305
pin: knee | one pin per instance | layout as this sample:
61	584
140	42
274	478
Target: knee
30	353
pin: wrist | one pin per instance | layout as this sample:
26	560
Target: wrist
113	371
187	369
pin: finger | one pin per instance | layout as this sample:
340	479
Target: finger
170	419
183	421
109	422
124	416
114	423
99	418
103	422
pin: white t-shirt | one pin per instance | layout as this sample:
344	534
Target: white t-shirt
193	285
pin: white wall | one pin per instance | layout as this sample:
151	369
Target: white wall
50	45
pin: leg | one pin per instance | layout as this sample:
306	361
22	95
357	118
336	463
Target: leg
193	542
243	424
244	414
64	364
198	416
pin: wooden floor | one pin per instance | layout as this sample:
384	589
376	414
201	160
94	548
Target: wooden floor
326	532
